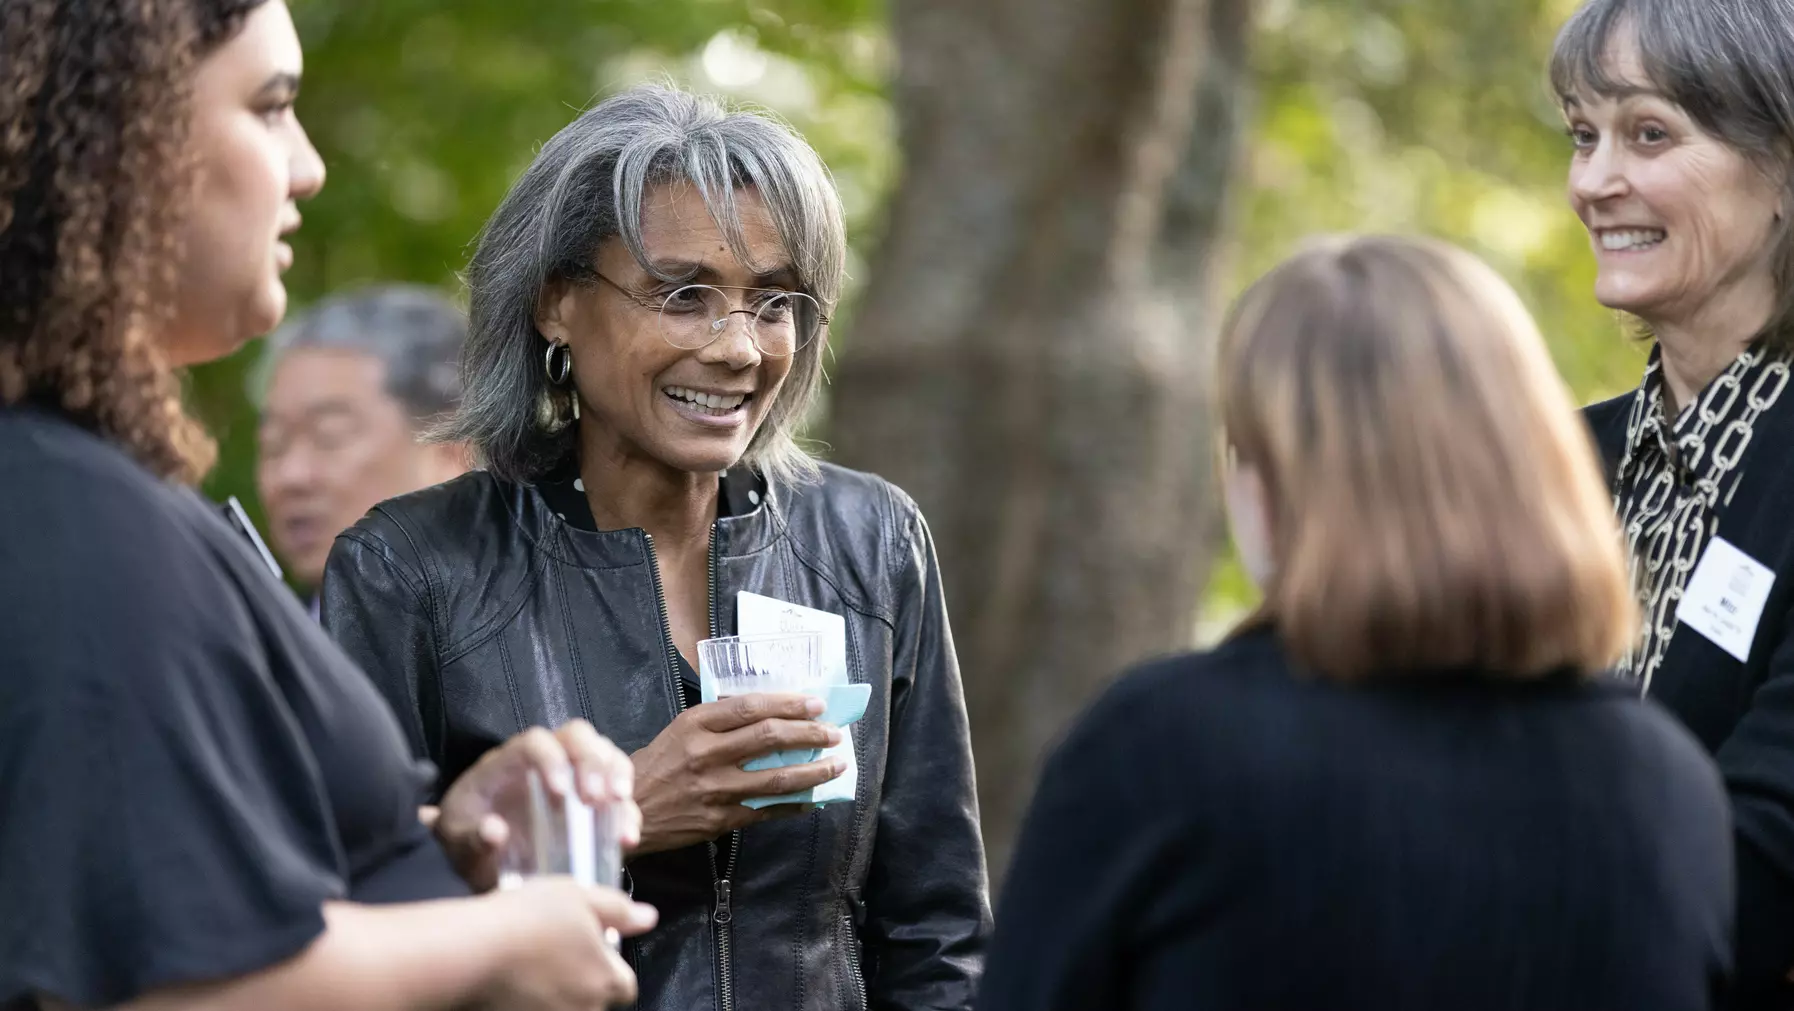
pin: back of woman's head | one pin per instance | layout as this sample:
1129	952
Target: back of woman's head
1434	501
93	102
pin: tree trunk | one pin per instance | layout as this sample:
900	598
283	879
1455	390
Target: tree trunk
1029	358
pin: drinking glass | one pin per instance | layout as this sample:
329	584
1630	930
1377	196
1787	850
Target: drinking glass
554	834
775	662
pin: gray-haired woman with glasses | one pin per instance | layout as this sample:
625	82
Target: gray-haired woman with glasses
649	310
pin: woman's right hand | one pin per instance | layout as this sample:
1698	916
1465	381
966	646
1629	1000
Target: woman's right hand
559	958
689	782
574	758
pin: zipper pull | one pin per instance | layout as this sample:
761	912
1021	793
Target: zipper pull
722	914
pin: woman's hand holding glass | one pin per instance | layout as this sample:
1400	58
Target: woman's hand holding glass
564	933
485	807
561	949
689	780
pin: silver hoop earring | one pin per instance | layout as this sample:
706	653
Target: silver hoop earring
558	369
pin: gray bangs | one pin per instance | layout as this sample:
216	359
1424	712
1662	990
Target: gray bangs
1578	55
587	185
1728	63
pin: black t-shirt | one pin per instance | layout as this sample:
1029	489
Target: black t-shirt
1219	831
189	768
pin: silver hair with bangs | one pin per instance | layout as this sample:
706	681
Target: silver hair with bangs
587	185
1730	65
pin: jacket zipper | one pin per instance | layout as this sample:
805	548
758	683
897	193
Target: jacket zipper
722	915
855	974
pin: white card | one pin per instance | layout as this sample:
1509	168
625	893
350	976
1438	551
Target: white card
1724	597
758	615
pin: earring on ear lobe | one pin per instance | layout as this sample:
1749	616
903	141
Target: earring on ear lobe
557	366
558	363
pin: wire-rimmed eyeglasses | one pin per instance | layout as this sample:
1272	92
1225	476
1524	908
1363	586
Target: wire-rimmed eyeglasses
780	323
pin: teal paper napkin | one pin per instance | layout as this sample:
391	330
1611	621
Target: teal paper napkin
844	705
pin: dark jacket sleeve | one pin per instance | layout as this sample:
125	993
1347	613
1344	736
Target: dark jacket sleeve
376	606
1607	424
1757	761
927	904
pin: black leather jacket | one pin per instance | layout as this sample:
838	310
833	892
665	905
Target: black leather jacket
479	612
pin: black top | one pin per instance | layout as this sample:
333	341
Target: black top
1218	832
739	493
1744	711
189	769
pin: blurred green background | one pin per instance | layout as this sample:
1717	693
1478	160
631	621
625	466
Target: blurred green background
1419	116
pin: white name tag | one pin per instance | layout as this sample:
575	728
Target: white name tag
1725	596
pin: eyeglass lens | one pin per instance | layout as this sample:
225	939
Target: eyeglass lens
779	322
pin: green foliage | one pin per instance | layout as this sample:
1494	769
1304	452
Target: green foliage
1428	117
1421	116
1424	117
426	111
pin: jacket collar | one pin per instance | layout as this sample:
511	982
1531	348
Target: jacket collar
755	523
756	514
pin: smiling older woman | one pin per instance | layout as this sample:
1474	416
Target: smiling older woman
648	320
1682	117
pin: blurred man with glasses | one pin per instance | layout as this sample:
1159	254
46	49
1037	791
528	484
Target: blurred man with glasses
346	391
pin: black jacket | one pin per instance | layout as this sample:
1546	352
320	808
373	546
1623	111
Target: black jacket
1744	712
479	612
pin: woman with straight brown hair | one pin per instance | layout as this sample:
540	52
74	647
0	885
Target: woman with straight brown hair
1401	783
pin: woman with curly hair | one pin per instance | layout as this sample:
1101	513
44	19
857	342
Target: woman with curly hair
203	803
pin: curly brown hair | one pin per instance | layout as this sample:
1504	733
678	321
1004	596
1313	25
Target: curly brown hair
94	104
